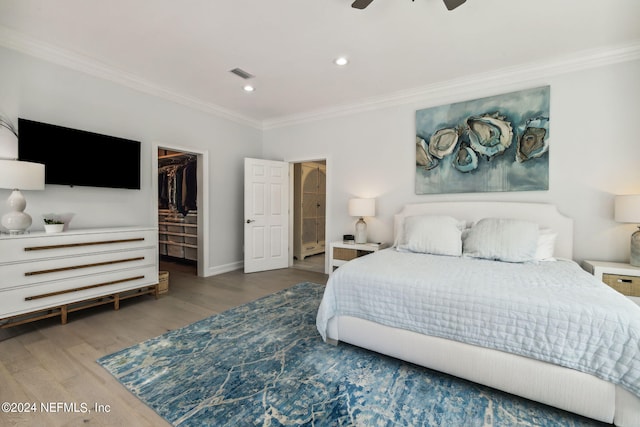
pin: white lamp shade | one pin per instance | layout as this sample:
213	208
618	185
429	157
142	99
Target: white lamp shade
362	207
19	175
627	208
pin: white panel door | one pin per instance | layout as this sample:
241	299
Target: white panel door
266	215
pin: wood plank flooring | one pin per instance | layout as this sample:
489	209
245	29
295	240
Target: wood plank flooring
52	365
311	263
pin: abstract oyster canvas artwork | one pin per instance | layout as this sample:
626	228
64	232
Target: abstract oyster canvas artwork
498	143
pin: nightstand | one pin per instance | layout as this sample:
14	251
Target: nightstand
340	253
624	278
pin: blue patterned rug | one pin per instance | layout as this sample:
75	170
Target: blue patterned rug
265	364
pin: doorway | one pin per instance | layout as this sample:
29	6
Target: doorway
181	209
309	215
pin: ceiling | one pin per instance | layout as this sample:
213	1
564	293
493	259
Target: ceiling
185	49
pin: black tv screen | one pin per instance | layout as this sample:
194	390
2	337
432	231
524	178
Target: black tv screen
76	157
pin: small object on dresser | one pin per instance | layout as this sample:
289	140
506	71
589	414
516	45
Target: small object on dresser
52	224
348	238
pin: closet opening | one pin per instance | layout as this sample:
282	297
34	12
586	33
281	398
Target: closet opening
309	209
178	204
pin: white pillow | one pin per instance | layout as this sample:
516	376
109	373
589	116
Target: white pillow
432	234
546	245
501	239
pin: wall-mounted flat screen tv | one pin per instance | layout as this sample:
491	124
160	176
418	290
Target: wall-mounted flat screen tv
77	157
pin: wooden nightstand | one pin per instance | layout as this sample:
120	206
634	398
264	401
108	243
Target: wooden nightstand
340	253
624	278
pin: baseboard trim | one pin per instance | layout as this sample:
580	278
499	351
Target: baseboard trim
225	268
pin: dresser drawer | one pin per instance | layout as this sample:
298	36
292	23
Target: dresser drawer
626	285
30	298
26	273
347	254
30	248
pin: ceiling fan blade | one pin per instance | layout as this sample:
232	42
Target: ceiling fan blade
452	4
361	4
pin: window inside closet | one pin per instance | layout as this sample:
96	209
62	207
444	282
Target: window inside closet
177	206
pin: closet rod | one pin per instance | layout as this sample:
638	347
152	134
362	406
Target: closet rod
176	159
177	155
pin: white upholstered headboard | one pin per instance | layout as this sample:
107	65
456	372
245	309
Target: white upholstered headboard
543	214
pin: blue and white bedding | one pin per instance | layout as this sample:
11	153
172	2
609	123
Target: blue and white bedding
550	311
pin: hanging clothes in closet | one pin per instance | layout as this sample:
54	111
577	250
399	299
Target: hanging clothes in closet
177	186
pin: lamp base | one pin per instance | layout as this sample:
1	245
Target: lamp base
635	249
361	231
16	221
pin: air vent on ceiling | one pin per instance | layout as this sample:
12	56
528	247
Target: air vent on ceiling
241	73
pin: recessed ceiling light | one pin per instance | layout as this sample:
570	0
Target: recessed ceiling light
248	88
341	61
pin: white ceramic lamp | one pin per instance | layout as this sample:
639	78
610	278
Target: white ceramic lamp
362	208
627	209
16	175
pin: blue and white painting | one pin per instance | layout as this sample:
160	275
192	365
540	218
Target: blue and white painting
499	143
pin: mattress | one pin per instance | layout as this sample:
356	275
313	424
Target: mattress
550	311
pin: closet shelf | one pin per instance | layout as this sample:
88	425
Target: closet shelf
176	233
184	245
178	224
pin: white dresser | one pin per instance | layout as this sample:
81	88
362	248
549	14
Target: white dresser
46	275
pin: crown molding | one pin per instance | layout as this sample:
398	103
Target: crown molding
22	43
501	77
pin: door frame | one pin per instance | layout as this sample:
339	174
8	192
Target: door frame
202	195
327	203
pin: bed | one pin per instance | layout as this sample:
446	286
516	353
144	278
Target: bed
482	319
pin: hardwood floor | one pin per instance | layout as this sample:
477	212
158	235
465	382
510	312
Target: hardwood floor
311	263
49	365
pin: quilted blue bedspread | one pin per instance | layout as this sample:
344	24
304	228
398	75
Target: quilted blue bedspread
550	311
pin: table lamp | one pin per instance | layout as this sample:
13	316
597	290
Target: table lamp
627	209
16	175
362	208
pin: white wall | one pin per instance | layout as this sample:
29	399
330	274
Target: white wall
42	91
594	155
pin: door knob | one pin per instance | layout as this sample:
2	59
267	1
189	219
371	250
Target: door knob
249	221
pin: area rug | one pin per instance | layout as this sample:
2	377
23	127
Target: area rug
265	364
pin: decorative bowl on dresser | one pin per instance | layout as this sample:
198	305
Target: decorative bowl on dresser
48	275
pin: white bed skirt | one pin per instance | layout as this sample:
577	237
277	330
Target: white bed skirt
543	382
